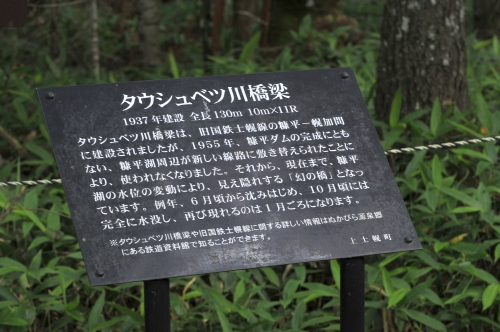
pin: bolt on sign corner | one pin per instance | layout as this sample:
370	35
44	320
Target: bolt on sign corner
186	176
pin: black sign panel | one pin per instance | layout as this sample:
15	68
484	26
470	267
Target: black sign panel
188	176
13	13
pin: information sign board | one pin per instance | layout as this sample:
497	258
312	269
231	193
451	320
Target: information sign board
198	175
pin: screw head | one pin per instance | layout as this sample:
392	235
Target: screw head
344	75
408	239
99	273
50	95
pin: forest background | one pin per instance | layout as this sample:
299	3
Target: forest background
452	194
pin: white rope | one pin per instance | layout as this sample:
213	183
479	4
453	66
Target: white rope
388	152
443	145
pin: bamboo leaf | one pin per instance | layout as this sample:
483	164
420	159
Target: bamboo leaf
95	313
272	276
483	111
437	177
464	198
173	65
224	322
497	252
250	47
435	117
473	154
335	268
424	319
386	280
489	295
298	315
396	297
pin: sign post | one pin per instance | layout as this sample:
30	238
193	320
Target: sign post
352	294
201	175
157	305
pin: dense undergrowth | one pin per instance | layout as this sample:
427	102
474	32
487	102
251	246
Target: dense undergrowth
452	196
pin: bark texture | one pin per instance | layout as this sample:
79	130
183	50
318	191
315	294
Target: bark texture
219	8
94	43
422	51
245	17
149	31
487	18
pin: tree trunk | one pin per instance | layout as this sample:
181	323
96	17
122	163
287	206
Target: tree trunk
245	17
422	52
265	16
487	18
94	43
219	8
149	31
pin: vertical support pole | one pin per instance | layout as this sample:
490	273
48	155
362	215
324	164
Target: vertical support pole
352	294
157	305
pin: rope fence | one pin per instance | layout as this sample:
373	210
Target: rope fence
387	152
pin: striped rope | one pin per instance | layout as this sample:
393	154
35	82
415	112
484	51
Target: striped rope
443	145
388	152
29	183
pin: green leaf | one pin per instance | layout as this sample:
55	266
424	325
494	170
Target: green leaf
27	227
8	262
289	291
305	27
464	198
495	45
335	268
95	313
431	296
386	280
106	324
224	322
435	117
438	246
13	321
298	315
271	275
6	294
473	154
130	313
464	129
437	177
396	109
250	47
33	217
489	295
31	200
239	290
483	112
321	289
391	258
37	241
396	297
53	67
465	209
427	258
35	262
424	319
53	218
40	152
497	252
173	65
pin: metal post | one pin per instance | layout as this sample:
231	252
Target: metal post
157	305
352	294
